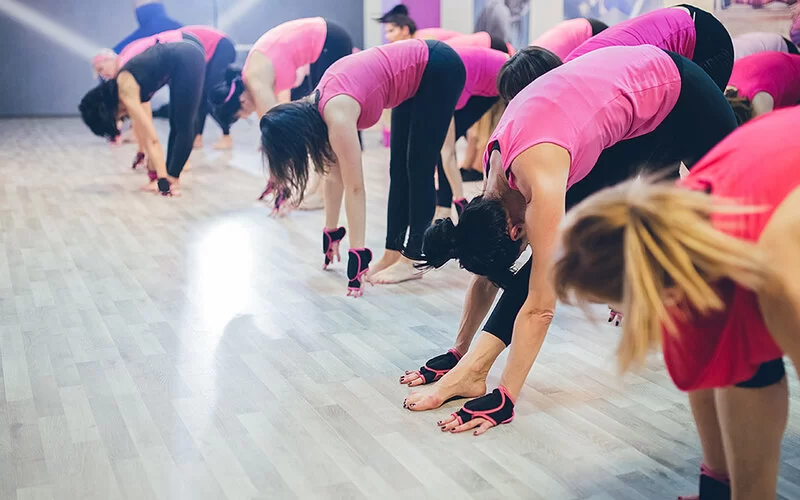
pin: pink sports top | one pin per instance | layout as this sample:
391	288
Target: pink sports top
482	66
290	46
137	47
565	36
588	105
479	39
207	36
727	347
436	34
378	78
669	29
776	73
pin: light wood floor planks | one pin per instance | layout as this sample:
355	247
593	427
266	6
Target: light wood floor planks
192	348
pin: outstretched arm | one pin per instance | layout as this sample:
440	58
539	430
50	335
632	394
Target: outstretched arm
541	174
260	80
780	300
343	135
142	122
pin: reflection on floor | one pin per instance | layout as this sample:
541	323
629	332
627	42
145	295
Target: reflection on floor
192	348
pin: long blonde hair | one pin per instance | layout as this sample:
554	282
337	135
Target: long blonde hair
632	243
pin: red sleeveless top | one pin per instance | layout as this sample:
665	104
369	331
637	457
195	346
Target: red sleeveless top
727	347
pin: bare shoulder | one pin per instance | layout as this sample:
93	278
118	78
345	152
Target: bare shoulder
341	109
545	166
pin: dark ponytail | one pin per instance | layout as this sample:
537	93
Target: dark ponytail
742	106
291	134
99	108
480	242
524	67
225	96
399	15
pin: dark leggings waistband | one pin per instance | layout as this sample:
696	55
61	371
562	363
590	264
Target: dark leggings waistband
597	26
188	37
791	47
498	44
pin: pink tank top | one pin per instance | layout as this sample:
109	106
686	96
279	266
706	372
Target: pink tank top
588	105
482	66
776	73
479	39
436	34
290	46
669	29
207	36
378	78
135	48
564	37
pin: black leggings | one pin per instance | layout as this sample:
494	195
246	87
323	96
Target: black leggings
419	127
791	47
338	44
700	120
466	117
498	44
713	50
224	56
597	26
185	96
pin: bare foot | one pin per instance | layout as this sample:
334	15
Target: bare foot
198	142
313	202
225	142
441	213
150	187
400	271
389	258
461	381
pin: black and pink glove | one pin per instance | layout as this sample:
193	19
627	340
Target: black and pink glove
357	266
330	245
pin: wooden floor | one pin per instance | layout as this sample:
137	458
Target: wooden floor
192	348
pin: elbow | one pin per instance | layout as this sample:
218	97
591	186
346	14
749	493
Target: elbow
542	316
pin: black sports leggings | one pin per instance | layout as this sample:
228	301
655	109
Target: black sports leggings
699	121
338	44
224	56
419	127
185	96
466	117
791	47
713	50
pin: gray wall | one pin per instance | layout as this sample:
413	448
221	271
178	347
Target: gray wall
41	76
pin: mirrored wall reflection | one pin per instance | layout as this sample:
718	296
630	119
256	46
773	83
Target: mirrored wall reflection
54	41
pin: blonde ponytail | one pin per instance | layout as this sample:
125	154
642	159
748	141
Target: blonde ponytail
635	242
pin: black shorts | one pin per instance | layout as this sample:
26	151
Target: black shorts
338	44
768	374
713	50
700	119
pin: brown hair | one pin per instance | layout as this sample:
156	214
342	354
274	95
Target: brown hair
631	243
742	106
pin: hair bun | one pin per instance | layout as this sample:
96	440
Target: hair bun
440	244
400	9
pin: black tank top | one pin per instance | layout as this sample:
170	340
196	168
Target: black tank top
152	69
